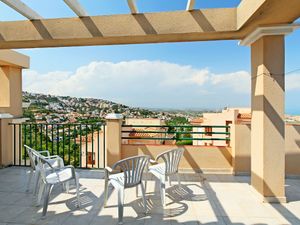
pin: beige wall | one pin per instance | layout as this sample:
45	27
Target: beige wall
195	158
242	149
97	141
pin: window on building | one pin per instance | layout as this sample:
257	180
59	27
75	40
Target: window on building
91	158
208	131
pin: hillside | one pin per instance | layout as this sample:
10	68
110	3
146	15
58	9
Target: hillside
64	109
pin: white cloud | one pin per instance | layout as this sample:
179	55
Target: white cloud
293	82
145	83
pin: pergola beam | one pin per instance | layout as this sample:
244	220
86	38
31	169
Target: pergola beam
23	9
190	5
177	26
76	7
132	6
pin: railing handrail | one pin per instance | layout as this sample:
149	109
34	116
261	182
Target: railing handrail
166	133
71	124
181	126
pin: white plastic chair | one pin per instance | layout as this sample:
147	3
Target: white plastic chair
56	176
54	160
131	176
166	169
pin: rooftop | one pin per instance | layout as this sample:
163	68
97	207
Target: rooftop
220	199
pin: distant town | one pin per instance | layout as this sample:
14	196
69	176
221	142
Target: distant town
41	108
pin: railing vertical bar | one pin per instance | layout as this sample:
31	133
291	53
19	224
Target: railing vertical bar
46	136
52	139
20	144
35	135
104	143
57	139
25	143
80	142
14	127
30	135
41	137
63	151
92	146
74	145
86	146
69	147
98	147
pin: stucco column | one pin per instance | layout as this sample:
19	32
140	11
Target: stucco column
267	128
11	65
113	138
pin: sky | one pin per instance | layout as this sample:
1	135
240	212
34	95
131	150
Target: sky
191	75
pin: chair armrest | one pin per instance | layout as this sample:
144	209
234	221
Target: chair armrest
108	169
153	161
53	157
71	167
46	151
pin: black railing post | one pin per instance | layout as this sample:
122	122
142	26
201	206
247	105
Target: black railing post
86	146
25	143
20	144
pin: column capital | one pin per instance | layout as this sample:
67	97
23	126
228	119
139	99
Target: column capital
282	29
114	116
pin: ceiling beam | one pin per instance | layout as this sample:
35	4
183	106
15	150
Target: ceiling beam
23	9
190	5
176	26
132	6
254	13
76	7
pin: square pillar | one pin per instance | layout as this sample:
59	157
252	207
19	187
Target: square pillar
267	126
113	138
11	65
11	90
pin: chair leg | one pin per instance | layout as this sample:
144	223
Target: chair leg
120	204
29	179
178	179
37	181
67	187
144	197
77	190
137	191
40	193
105	192
170	181
146	179
46	198
163	190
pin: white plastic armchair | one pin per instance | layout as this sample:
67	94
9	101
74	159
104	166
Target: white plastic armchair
51	176
54	160
130	176
165	169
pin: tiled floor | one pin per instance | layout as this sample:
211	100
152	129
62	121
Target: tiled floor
221	199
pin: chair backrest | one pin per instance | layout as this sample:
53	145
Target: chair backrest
133	169
171	159
44	165
32	157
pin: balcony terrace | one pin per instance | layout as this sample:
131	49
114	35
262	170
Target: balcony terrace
220	199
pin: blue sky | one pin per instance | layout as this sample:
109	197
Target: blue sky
211	65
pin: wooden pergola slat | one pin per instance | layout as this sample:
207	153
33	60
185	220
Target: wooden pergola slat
23	9
132	6
77	8
190	5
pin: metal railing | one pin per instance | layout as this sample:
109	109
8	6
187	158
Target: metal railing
80	145
181	134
